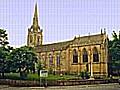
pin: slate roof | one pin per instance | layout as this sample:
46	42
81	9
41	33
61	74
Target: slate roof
85	40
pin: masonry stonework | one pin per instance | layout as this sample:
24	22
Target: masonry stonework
87	53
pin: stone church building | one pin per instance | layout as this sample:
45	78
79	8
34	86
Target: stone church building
87	53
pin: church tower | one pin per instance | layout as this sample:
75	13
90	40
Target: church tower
35	36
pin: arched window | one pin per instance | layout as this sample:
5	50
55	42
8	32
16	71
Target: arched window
31	38
95	55
38	39
85	55
50	59
58	60
75	56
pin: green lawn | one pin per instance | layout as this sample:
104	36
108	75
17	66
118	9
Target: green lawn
16	76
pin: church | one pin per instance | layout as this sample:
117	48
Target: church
86	53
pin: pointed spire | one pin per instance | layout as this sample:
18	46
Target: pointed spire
35	20
35	13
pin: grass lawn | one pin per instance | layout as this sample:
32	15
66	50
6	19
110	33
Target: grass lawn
116	77
16	76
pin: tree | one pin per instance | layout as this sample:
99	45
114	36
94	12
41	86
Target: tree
23	60
4	52
39	67
3	38
114	50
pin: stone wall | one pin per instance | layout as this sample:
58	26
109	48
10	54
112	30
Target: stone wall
23	83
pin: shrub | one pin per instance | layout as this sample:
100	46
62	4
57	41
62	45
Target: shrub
84	75
14	76
50	71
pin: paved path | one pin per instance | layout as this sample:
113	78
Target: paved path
79	87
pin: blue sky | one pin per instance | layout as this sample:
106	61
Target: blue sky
60	19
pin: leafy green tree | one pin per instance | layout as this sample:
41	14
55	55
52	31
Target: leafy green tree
114	50
39	67
23	60
3	38
4	52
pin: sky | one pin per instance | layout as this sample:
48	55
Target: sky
60	20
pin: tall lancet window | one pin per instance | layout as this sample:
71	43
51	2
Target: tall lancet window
58	60
50	60
31	38
95	55
85	55
38	40
75	56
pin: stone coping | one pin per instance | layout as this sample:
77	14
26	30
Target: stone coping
26	83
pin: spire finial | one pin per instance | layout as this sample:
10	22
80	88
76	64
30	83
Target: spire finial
104	30
101	31
35	19
35	13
